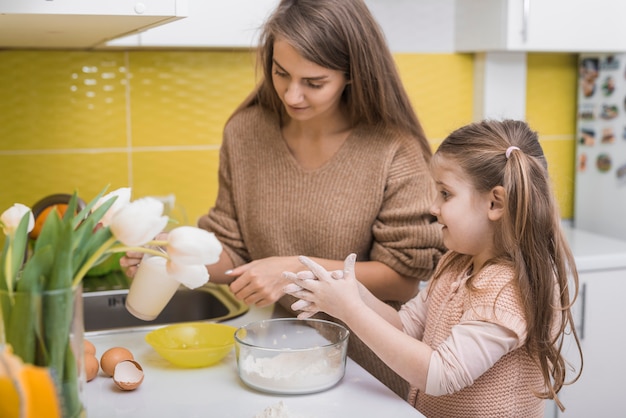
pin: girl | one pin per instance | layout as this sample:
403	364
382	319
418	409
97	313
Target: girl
484	339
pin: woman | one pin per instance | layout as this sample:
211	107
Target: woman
324	158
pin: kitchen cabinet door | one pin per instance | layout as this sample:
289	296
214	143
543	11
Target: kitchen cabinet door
210	23
599	316
540	25
79	24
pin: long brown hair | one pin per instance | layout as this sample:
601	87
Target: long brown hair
340	35
529	235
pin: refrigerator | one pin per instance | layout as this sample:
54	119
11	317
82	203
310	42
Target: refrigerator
600	191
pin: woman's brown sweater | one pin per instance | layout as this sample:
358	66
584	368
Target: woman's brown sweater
371	198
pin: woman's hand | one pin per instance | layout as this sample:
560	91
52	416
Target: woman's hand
130	263
335	292
261	282
131	260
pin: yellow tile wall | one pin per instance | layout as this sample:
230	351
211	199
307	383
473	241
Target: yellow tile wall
152	120
440	88
551	111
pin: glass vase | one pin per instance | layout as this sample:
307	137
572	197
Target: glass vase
45	328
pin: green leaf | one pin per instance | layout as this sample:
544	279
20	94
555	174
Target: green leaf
87	241
22	319
17	252
71	400
86	211
57	310
72	206
61	272
90	246
35	270
20	324
50	231
3	277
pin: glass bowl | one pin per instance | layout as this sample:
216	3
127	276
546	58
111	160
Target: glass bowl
291	356
193	344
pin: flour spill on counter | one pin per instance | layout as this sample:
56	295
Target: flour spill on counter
278	410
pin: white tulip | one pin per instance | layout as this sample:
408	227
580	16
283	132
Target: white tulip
190	245
12	216
138	222
192	276
123	199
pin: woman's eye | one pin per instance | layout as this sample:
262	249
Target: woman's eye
280	74
314	85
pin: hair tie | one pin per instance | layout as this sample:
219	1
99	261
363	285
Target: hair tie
509	150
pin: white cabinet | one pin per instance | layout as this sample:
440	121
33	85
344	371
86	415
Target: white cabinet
424	26
80	24
210	23
599	317
540	25
600	390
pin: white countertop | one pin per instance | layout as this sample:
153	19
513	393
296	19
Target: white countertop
596	252
217	392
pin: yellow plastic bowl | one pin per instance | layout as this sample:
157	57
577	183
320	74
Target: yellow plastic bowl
193	344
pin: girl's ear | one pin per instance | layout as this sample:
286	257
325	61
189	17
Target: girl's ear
497	203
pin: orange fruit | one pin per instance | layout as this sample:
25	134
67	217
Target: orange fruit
41	218
32	386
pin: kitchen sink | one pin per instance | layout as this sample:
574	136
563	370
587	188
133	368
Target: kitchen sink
105	310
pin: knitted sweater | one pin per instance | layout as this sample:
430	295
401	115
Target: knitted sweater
504	390
371	198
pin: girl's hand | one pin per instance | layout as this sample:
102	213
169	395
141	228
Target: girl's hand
336	293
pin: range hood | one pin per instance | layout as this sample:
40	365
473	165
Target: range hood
80	24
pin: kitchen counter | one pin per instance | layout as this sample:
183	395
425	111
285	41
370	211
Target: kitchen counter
217	392
595	252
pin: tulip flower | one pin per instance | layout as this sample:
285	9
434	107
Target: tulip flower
138	222
11	218
192	276
122	196
17	222
59	258
189	245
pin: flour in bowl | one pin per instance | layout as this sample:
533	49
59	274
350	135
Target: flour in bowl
293	372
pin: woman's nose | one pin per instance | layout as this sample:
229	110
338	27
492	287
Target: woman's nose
293	94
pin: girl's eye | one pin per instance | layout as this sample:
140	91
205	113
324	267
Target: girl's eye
444	194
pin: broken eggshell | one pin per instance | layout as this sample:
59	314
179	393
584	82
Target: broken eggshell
128	375
112	357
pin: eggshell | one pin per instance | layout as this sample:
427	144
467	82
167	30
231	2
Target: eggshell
112	356
89	347
91	366
128	375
